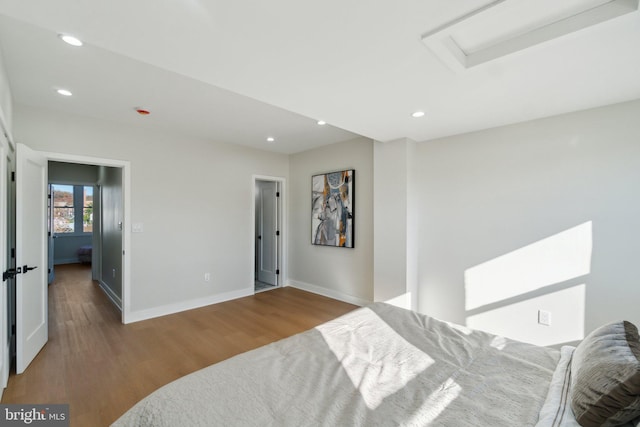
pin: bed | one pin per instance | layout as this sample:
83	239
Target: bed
385	366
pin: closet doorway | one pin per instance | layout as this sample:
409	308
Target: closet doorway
268	233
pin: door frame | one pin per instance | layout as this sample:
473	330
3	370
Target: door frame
267	232
281	279
126	229
7	152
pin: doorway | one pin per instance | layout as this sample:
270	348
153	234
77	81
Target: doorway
268	233
111	239
78	190
86	222
73	216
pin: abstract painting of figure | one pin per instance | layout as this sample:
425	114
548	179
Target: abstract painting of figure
332	200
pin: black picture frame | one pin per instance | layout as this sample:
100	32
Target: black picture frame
333	209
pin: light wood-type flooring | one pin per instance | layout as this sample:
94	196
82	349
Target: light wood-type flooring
101	367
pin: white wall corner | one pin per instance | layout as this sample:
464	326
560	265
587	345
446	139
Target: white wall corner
413	222
329	293
395	224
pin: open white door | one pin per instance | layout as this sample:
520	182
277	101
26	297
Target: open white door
4	242
267	229
31	253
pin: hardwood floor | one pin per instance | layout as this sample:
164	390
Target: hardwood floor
101	367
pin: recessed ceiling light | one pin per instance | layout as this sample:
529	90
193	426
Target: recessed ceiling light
322	122
73	41
64	92
417	114
271	139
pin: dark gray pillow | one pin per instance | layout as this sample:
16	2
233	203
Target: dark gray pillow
605	376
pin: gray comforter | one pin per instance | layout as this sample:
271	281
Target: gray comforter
376	366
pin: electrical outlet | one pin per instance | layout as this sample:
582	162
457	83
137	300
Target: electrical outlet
207	277
544	317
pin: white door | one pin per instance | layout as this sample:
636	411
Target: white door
4	264
267	227
31	253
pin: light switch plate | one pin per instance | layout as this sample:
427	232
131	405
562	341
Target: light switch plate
544	317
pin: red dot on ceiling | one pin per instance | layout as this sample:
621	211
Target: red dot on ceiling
143	112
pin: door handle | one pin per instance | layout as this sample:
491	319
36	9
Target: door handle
26	269
10	273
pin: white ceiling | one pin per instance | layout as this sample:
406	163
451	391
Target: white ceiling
239	71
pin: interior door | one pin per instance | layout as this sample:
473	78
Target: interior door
4	263
50	236
267	243
31	253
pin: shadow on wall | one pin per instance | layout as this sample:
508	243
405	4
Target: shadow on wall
534	294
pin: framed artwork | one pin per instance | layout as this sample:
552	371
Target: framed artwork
332	203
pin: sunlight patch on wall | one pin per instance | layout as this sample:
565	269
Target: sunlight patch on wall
518	321
402	301
549	261
372	343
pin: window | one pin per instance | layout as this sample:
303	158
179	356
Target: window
63	211
87	209
72	209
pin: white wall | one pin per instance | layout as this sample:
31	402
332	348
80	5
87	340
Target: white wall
395	226
498	212
343	273
538	215
193	198
6	103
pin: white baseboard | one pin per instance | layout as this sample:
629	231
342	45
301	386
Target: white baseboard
330	293
115	299
136	316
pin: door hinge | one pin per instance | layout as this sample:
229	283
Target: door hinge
277	232
13	329
277	194
13	252
13	176
277	272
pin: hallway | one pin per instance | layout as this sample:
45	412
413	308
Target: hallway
73	365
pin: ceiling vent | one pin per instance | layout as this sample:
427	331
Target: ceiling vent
503	27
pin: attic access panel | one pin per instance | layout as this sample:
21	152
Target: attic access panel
503	27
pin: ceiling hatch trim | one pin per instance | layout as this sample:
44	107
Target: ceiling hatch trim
444	40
